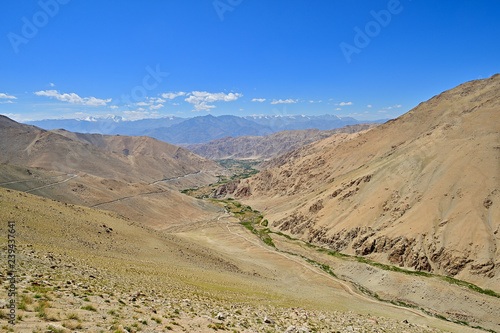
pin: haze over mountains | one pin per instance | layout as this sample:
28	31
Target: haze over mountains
421	191
200	129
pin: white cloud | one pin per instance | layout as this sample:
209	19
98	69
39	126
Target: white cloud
114	107
73	98
173	95
320	101
286	101
154	103
369	106
393	107
344	103
260	100
200	99
5	96
51	84
7	102
156	107
338	109
203	106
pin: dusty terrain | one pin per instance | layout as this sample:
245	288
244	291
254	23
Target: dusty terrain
421	191
155	205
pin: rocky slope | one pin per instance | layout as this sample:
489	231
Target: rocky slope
269	146
421	191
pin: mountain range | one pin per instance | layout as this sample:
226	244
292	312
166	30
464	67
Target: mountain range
200	129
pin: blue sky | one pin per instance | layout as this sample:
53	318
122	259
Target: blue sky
153	58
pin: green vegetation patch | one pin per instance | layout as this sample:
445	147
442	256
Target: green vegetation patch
240	169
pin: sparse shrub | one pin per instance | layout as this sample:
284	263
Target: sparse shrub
73	316
72	324
40	308
89	308
54	330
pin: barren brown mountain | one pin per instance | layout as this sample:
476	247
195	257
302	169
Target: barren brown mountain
143	146
137	177
116	157
421	191
269	146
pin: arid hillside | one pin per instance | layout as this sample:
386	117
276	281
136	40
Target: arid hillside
124	158
137	177
421	191
269	146
144	146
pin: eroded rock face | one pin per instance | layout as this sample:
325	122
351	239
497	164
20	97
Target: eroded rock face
226	189
421	253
